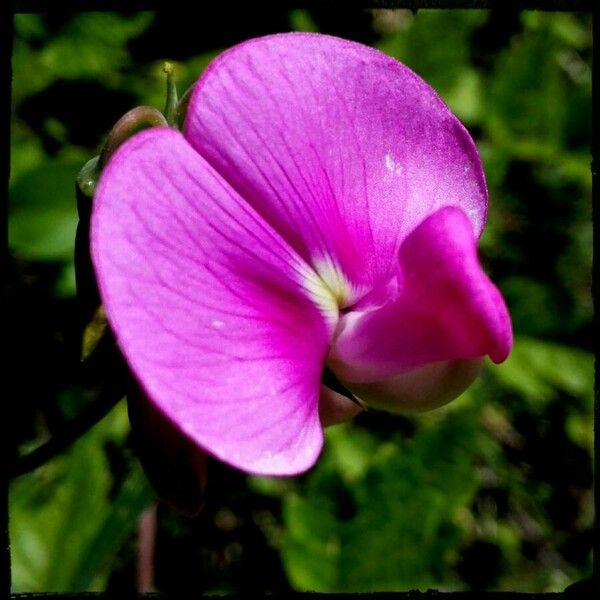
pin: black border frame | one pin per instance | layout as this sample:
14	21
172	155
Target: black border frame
8	8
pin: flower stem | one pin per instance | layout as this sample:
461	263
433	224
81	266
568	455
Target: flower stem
145	551
138	118
170	111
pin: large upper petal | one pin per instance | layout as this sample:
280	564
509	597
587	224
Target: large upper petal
445	309
213	310
340	147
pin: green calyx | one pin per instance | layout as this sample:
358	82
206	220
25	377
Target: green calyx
88	177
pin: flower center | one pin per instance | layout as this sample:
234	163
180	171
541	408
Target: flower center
329	288
336	282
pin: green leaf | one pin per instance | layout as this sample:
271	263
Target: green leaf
88	46
43	212
442	65
64	528
301	20
119	521
362	536
538	109
538	370
352	450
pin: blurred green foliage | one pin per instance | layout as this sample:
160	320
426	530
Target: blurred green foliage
67	522
395	512
360	532
491	492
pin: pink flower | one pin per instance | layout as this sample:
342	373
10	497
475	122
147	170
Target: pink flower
322	207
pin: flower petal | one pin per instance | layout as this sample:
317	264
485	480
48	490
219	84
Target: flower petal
210	306
340	147
335	408
446	309
423	388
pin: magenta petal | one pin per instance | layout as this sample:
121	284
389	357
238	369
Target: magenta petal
341	148
446	308
209	306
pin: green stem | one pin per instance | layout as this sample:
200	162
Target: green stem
171	101
131	122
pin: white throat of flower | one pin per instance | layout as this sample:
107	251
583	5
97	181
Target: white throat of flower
329	288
